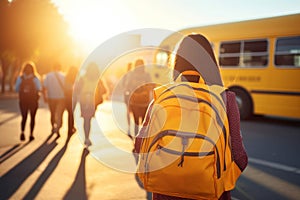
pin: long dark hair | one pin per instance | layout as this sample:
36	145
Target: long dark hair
29	67
195	53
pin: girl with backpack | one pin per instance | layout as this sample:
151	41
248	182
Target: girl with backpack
195	54
28	86
89	91
140	88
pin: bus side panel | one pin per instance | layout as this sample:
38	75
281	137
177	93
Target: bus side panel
278	105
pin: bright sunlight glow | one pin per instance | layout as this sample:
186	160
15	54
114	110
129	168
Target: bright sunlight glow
92	23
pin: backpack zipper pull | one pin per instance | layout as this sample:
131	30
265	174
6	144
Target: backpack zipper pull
180	164
158	150
184	142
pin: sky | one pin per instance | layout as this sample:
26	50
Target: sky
93	21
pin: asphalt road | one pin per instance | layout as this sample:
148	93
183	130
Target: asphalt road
60	168
274	166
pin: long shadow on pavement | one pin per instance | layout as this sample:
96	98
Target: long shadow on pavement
16	115
78	188
47	172
8	152
13	179
12	151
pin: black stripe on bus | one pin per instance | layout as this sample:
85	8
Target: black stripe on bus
275	92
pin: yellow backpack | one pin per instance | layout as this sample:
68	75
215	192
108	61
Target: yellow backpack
187	151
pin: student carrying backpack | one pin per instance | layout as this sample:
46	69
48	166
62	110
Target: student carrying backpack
190	144
89	91
28	86
140	88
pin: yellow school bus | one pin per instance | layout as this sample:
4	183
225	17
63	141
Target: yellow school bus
259	60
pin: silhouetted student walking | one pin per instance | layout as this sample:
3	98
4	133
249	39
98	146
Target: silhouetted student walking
190	144
53	92
139	87
28	86
69	87
89	90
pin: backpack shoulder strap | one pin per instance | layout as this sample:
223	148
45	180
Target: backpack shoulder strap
59	81
217	89
23	78
159	90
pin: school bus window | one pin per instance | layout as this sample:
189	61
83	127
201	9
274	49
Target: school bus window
230	54
255	53
229	61
244	53
287	52
256	46
230	47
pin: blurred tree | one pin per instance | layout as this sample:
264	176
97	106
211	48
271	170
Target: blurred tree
31	30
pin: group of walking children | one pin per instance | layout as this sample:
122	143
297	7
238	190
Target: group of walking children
190	144
57	90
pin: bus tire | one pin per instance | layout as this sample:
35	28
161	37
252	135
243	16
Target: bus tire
244	102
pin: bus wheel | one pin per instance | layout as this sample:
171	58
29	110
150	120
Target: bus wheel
244	103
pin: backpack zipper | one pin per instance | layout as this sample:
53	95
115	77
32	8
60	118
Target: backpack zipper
186	135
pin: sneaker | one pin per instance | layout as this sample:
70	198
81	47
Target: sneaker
58	134
71	131
31	138
22	137
87	142
74	130
53	130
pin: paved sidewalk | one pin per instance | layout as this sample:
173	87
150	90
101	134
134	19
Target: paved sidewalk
58	168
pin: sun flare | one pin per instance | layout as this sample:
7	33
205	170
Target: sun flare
92	23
